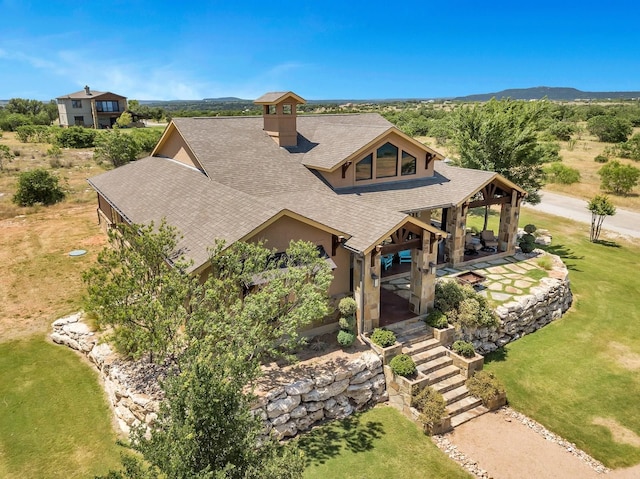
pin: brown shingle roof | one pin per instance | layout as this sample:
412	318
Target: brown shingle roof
81	95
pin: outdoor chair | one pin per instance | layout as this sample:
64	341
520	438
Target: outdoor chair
405	256
489	240
387	261
471	244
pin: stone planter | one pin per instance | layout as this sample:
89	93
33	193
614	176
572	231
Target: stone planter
496	402
386	354
468	366
445	336
444	426
401	389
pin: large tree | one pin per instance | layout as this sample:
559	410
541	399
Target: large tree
219	331
502	136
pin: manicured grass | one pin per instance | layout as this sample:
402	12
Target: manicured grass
379	443
54	422
587	364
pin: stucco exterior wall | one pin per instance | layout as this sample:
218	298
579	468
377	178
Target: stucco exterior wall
279	234
175	147
336	180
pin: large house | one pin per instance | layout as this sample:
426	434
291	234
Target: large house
95	109
352	184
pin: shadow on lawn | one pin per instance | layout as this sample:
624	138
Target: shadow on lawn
610	244
327	441
496	356
564	253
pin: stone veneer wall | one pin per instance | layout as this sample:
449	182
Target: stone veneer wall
295	403
547	301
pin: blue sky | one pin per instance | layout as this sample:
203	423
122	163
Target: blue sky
347	49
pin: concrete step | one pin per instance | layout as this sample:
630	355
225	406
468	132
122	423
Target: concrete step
419	347
435	364
442	374
428	355
449	383
463	405
410	331
468	415
456	394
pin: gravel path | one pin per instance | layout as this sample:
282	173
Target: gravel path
507	445
624	222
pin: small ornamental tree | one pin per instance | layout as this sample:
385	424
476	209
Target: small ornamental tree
618	178
347	321
600	207
38	186
124	120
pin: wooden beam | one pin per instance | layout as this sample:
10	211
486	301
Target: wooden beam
394	248
495	201
345	167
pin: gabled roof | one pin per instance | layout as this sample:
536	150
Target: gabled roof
82	94
274	97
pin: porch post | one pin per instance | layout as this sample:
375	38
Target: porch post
365	292
423	283
508	231
456	226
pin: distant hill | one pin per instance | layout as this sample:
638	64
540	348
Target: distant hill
552	93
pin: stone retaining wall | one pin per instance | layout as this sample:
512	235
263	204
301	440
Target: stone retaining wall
292	403
547	301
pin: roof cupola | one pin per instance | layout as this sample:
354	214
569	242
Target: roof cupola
279	114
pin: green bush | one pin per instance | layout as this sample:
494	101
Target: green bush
618	178
347	306
463	348
463	306
530	228
403	365
347	323
346	338
559	173
437	319
76	137
601	159
562	130
117	148
34	133
38	186
147	139
527	243
431	406
383	337
630	148
485	385
609	128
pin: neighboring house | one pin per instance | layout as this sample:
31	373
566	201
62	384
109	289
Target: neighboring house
353	184
95	109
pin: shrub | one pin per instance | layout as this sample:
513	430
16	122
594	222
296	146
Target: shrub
146	138
347	306
437	319
485	385
5	155
559	173
463	348
383	337
403	365
601	159
530	228
431	406
630	148
54	151
527	243
346	338
545	262
38	186
34	133
618	178
76	137
562	130
463	306
346	323
116	147
610	129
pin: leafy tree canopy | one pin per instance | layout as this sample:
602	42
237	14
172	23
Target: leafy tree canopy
600	207
38	186
618	178
116	147
502	136
609	128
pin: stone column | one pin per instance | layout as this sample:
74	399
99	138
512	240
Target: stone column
456	226
423	283
508	231
368	313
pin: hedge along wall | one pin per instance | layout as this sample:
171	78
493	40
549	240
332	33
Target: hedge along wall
293	402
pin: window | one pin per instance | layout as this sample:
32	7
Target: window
107	106
364	168
76	103
408	164
271	109
286	109
386	161
78	120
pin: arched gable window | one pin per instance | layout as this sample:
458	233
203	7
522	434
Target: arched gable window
364	168
386	161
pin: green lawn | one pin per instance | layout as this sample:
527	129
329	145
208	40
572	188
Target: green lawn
54	422
379	443
586	365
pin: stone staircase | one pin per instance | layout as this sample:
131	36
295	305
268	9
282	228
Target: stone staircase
432	361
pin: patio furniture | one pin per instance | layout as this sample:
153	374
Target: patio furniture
489	240
471	244
405	256
387	261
